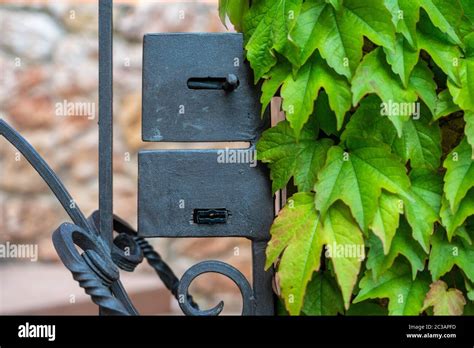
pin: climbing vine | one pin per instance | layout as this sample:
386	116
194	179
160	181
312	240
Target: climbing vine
378	143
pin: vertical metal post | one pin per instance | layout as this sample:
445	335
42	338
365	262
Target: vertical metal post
105	120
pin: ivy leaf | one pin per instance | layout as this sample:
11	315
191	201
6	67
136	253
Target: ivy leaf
444	105
337	4
325	118
274	79
444	255
452	221
296	236
288	157
459	178
444	301
268	23
357	178
420	142
422	204
444	54
323	297
405	294
345	247
469	129
446	15
403	244
339	33
386	219
464	95
368	122
422	82
304	35
366	308
468	9
299	93
375	76
405	15
235	9
402	59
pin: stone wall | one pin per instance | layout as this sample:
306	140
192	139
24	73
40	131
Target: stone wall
48	57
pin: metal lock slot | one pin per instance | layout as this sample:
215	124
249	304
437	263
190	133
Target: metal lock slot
227	84
210	216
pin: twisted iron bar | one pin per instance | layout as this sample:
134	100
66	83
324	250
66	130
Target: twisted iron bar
93	270
162	269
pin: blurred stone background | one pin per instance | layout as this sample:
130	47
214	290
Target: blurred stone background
48	54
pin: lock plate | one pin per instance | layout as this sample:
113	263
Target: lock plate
194	193
184	94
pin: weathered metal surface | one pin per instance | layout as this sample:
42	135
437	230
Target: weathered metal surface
174	110
175	186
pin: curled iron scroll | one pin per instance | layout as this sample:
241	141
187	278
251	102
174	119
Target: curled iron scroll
212	266
64	198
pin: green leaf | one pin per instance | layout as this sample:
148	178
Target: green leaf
358	176
403	244
452	221
337	4
304	35
444	301
386	219
368	122
420	142
273	80
268	23
402	59
299	93
459	178
296	237
375	76
323	297
345	247
446	15
288	157
444	255
235	9
366	308
422	82
405	15
340	33
422	204
469	129
444	54
444	105
405	295
464	95
325	118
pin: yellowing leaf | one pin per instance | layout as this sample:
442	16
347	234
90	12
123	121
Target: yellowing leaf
444	301
345	247
296	237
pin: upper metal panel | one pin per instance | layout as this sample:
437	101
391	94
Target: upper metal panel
174	111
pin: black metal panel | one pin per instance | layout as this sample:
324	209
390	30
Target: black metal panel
176	185
176	108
